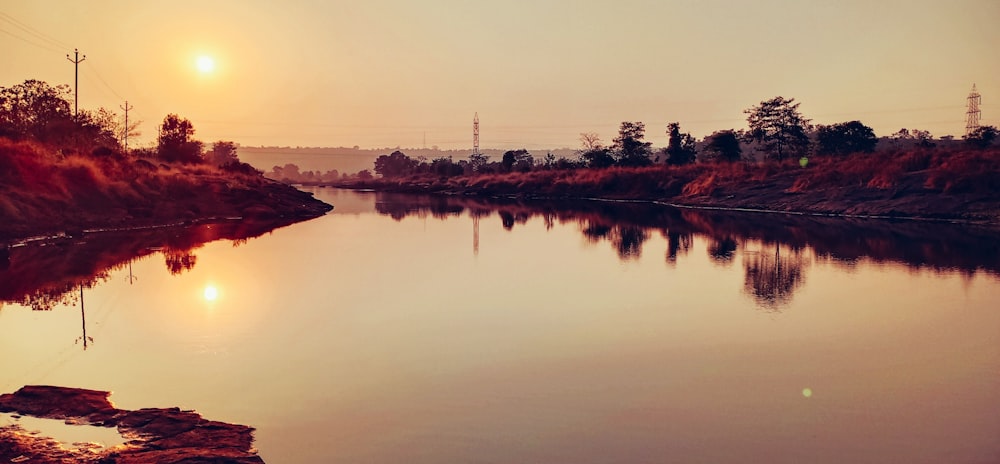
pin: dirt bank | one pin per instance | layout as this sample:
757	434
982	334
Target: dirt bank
45	193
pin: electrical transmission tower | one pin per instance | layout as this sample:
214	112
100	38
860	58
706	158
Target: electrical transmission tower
76	60
972	115
475	134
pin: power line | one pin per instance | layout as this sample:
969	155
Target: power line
91	67
49	48
32	31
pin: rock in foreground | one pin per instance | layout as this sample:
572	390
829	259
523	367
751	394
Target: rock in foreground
163	436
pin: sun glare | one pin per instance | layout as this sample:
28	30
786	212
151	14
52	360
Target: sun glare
211	293
205	64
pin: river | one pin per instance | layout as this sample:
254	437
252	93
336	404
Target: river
439	330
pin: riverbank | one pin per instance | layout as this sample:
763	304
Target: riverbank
956	185
43	193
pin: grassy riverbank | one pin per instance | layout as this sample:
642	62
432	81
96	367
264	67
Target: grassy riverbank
919	183
46	192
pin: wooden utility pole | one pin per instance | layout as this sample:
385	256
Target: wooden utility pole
126	108
76	60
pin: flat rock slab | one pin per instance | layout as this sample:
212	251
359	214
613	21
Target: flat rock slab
163	436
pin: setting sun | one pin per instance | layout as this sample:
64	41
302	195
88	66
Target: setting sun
211	293
205	64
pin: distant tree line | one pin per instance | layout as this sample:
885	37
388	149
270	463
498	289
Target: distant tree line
776	131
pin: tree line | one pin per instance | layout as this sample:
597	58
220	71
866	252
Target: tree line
776	128
37	111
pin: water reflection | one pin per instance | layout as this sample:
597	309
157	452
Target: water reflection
772	277
55	274
773	270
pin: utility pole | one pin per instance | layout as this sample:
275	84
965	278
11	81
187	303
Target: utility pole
76	60
126	108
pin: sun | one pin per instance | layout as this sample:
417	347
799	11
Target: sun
205	64
211	293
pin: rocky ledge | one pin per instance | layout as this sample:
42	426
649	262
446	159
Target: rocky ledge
163	436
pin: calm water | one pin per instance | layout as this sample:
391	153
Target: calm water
418	330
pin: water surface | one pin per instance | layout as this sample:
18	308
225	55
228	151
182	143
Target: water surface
430	330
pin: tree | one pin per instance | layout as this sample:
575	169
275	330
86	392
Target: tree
629	148
478	161
845	138
597	158
779	127
680	146
174	143
981	137
395	164
517	160
223	153
590	140
34	109
723	146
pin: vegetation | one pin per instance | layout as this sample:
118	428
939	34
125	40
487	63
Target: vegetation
779	127
845	138
65	173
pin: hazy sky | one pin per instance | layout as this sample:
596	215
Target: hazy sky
382	73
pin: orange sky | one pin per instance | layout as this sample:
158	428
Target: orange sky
386	73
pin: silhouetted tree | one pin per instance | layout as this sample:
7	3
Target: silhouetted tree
222	153
845	138
590	141
175	144
723	146
517	160
34	109
395	164
446	167
779	127
680	146
597	158
478	162
981	137
629	147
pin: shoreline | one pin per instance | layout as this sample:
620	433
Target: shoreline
698	203
936	185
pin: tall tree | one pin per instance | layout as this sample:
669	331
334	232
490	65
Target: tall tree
779	127
629	147
723	146
34	109
175	144
680	146
845	138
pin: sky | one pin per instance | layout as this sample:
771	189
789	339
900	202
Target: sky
388	73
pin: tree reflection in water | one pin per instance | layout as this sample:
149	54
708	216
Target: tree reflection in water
772	277
772	274
43	276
